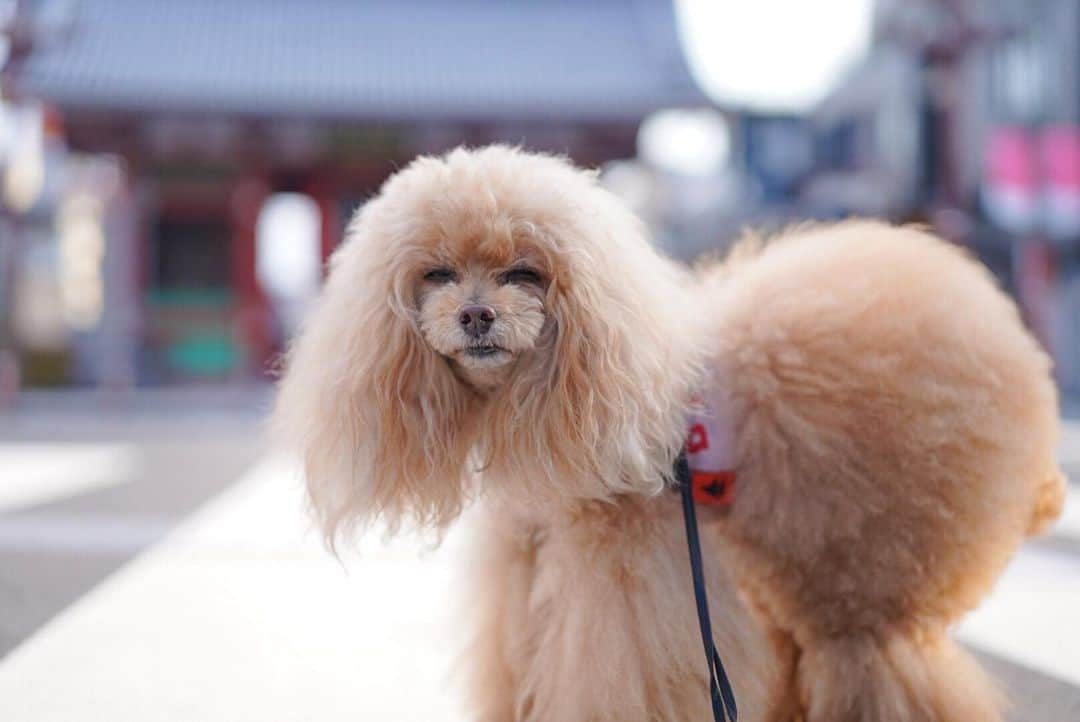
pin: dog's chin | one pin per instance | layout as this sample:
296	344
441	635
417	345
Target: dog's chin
482	357
483	368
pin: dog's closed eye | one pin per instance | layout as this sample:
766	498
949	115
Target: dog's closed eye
440	275
521	275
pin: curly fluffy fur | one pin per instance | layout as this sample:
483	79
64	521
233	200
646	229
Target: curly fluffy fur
895	429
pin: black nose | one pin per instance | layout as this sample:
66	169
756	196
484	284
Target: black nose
476	318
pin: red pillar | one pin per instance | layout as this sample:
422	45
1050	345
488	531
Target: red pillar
324	193
251	313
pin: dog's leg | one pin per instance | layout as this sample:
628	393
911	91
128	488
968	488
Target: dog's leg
505	565
787	708
617	639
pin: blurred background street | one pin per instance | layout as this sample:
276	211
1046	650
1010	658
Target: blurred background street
174	175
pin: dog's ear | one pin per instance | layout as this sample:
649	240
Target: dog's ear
603	411
382	425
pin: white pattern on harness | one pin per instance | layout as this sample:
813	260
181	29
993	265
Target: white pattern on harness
710	441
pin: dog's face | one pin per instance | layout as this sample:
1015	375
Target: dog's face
482	311
497	306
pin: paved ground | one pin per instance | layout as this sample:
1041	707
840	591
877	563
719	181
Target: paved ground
157	567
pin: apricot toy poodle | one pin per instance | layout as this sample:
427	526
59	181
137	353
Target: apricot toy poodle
496	329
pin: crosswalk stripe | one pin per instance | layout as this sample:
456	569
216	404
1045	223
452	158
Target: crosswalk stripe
36	473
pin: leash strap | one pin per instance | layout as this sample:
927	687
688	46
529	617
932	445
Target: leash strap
723	698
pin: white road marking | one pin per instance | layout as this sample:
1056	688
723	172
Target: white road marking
35	473
240	615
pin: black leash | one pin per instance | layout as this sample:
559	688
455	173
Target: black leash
723	698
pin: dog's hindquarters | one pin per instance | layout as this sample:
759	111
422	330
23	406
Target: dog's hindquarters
896	442
914	677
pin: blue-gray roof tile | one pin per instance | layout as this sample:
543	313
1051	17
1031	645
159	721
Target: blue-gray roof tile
387	60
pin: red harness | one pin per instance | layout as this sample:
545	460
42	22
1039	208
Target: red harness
710	452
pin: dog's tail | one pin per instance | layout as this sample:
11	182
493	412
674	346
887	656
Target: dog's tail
1049	501
901	678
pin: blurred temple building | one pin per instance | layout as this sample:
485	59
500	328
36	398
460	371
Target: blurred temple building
190	165
965	115
173	175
